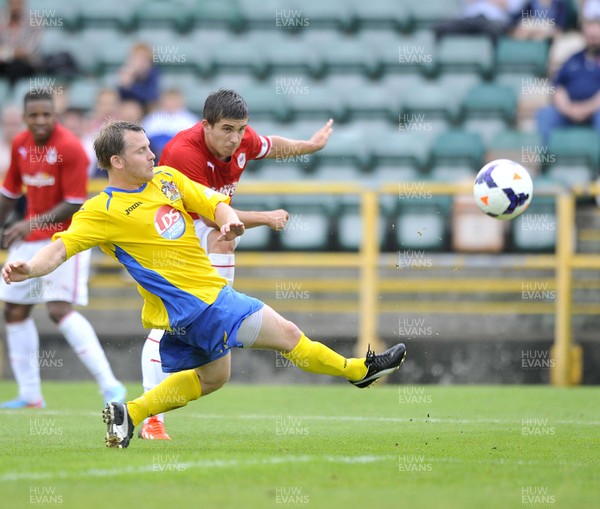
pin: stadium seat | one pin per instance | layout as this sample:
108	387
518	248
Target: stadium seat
490	100
513	55
393	173
295	55
570	175
457	147
363	99
110	14
535	229
420	223
380	14
572	145
337	171
452	174
265	103
113	48
487	128
430	100
58	15
461	52
347	55
240	54
155	13
210	14
406	148
82	94
309	227
345	146
425	14
523	147
350	226
314	100
318	14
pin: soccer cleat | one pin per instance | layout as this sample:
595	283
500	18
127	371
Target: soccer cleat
379	365
14	404
153	429
119	426
116	394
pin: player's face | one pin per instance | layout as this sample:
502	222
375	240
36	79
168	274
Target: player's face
40	118
137	158
224	138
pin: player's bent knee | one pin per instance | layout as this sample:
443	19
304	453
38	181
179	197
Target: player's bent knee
15	313
58	310
291	334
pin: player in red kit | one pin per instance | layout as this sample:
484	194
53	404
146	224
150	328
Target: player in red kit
215	153
50	163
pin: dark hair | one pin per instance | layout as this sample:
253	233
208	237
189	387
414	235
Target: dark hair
111	141
224	104
37	95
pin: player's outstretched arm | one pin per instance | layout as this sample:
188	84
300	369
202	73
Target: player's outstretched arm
228	221
274	219
43	262
287	147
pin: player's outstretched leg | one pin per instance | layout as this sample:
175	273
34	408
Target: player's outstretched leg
277	333
176	391
153	428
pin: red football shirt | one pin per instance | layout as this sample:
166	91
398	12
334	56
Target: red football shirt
50	174
188	153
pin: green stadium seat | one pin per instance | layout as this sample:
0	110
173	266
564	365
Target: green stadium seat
309	227
513	55
346	55
111	54
350	226
487	128
345	146
380	14
156	13
392	53
458	147
579	145
490	100
260	14
430	100
82	94
265	103
314	100
58	15
420	225
466	53
570	175
393	173
294	55
109	14
336	171
425	14
316	14
406	148
535	229
241	54
523	147
363	99
452	174
209	14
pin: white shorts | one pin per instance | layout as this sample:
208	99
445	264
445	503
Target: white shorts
202	232
68	283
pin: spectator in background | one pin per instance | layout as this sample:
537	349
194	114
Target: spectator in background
165	122
12	124
20	35
139	78
576	100
481	17
541	20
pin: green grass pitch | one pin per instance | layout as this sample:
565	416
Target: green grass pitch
313	446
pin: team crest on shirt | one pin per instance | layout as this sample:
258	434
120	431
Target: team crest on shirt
52	155
241	159
169	189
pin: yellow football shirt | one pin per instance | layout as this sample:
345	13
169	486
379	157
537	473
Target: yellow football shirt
150	232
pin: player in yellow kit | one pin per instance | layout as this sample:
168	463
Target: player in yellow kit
143	217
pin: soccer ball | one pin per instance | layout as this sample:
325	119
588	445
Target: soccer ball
503	189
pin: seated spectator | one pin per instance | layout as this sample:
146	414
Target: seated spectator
139	78
165	122
20	35
485	17
576	100
541	20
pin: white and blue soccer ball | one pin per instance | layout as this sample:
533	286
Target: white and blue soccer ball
503	189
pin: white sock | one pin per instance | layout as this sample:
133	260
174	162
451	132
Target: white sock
23	347
152	373
80	334
224	264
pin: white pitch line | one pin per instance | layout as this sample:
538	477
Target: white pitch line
357	418
177	466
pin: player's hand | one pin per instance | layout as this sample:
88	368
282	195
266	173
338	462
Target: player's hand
230	231
319	139
277	219
16	233
14	272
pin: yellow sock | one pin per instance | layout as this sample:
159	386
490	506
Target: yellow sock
315	357
173	392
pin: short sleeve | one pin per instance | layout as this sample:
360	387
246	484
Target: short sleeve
13	185
88	229
260	146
